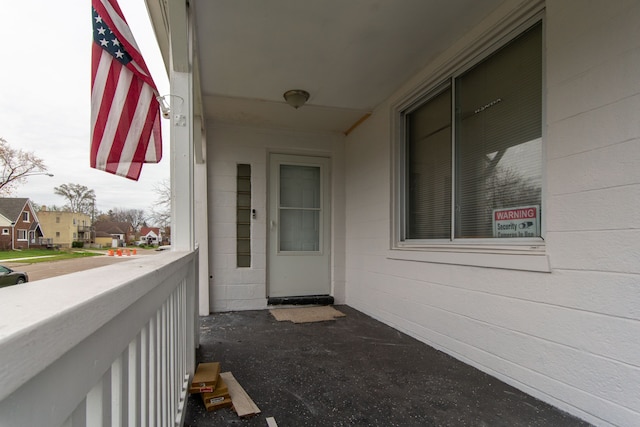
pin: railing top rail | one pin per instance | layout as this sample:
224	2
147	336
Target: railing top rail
42	320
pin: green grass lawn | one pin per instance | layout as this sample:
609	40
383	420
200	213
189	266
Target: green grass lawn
50	254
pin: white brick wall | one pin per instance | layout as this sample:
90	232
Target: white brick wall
572	336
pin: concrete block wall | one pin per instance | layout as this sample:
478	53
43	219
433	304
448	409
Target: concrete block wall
233	288
569	336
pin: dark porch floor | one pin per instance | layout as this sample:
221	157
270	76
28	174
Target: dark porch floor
354	371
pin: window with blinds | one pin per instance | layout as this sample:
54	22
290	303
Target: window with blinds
474	148
428	131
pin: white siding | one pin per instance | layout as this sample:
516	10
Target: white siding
570	337
235	288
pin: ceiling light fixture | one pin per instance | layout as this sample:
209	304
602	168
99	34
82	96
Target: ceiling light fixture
296	97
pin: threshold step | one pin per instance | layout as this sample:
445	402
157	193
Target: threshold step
302	300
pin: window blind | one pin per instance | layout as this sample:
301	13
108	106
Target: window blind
498	147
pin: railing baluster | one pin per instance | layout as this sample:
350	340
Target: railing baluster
145	377
164	395
175	388
153	371
133	407
117	391
170	365
98	403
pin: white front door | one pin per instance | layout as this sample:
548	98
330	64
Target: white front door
299	226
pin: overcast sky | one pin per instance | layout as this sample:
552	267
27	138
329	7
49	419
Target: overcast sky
45	87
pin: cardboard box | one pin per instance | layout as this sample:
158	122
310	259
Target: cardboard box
213	403
219	398
205	378
220	390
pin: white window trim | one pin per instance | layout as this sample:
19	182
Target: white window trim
5	231
26	235
489	257
518	254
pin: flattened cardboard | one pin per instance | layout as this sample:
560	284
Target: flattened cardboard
242	403
205	378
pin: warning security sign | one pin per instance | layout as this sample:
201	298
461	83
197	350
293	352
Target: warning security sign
523	221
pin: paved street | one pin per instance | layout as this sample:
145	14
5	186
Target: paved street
44	270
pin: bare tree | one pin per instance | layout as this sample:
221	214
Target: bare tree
135	217
161	211
16	165
79	197
507	188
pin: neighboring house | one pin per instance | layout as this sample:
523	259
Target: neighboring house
465	171
64	228
105	240
19	224
150	235
122	232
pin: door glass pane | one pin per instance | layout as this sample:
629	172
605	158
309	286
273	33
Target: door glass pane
299	186
299	210
299	230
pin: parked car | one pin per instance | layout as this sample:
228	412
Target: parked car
9	277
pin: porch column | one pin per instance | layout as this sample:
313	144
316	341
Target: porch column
182	167
182	148
182	158
201	213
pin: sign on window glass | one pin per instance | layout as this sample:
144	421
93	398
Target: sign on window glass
523	221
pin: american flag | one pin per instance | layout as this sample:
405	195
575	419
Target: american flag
125	113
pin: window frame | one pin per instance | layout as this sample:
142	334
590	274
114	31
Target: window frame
22	239
25	216
458	250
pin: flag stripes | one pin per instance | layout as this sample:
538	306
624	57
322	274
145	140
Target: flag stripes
125	114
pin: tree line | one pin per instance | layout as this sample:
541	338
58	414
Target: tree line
16	165
81	199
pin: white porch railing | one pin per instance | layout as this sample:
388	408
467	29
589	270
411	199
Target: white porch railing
112	346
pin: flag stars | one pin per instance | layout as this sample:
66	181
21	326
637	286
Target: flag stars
104	37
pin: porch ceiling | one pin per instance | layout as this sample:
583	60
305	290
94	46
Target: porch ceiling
349	55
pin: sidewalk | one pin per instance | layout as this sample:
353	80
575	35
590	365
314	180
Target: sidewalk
25	258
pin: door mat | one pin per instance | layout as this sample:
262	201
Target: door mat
306	314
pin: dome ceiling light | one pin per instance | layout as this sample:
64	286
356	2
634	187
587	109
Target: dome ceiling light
296	97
